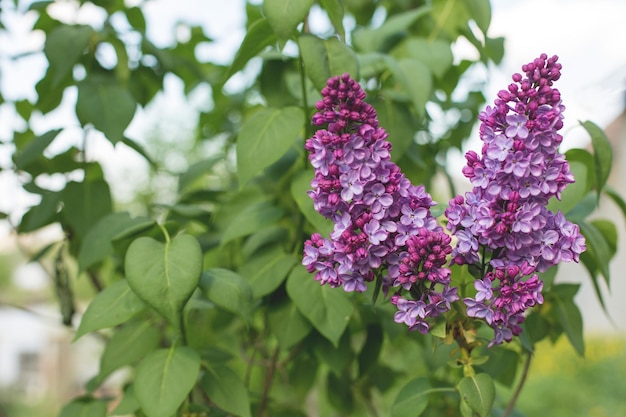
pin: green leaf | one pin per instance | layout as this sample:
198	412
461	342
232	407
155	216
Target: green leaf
598	247
64	46
197	171
412	399
97	243
23	107
252	219
265	137
110	307
128	345
502	365
49	94
42	214
287	324
609	231
385	37
370	351
328	309
602	153
569	315
299	187
335	12
285	15
84	203
340	393
105	104
228	290
465	410
338	358
84	408
135	18
617	199
164	275
451	17
414	79
583	208
494	48
591	264
480	10
267	270
34	149
128	404
435	54
226	390
581	165
137	147
326	58
263	238
259	35
164	378
478	391
399	123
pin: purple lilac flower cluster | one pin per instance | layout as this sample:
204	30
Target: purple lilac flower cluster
381	221
505	214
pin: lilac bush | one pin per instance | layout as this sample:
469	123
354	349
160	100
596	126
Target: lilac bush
384	229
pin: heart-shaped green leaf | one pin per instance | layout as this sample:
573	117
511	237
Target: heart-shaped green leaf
164	378
164	275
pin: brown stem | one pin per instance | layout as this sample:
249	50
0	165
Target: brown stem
269	377
511	405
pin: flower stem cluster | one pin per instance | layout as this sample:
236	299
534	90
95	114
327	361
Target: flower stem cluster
503	225
381	221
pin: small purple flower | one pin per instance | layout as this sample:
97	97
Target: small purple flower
478	310
413	216
375	233
500	147
483	286
351	184
378	199
517	126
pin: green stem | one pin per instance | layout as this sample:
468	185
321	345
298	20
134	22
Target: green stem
440	390
511	405
165	233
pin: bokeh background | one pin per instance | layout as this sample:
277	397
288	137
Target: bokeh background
40	368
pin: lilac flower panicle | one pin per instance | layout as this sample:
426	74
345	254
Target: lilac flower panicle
519	170
382	223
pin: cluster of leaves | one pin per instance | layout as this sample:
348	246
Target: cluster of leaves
210	306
